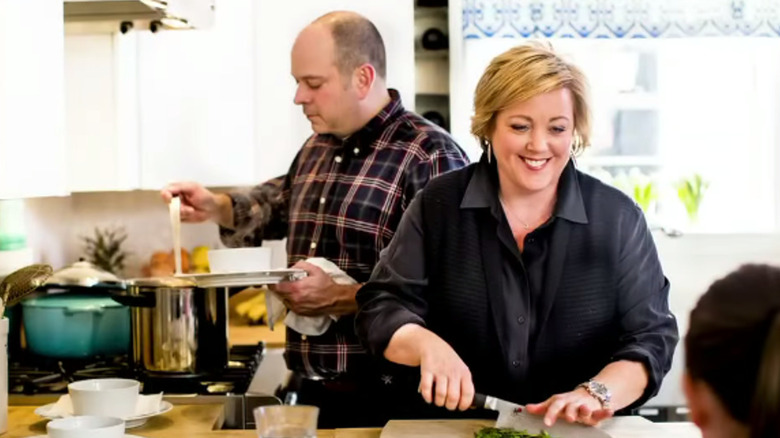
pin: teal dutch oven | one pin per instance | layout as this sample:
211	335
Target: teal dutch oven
73	315
76	326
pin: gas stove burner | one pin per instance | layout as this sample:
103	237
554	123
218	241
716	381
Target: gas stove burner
39	375
32	381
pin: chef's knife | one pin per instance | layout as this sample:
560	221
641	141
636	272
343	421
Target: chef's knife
514	416
483	401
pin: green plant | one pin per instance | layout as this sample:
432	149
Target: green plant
691	191
638	186
644	194
104	249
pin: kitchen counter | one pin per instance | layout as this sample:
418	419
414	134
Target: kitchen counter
191	421
252	334
199	421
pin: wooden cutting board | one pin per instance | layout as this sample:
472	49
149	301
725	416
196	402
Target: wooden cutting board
433	428
619	427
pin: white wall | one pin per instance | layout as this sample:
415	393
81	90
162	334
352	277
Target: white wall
31	99
276	87
54	226
692	263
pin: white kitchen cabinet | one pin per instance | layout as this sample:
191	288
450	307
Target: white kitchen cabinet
213	106
196	102
281	126
32	144
101	107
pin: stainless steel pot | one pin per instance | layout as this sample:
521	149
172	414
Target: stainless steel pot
176	326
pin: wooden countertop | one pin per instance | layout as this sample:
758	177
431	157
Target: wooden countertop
200	421
191	421
252	334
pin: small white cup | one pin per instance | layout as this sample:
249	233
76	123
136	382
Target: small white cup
104	397
236	260
86	427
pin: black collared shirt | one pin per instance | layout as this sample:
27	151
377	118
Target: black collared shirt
587	290
522	273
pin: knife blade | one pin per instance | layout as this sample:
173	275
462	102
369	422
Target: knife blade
483	401
514	416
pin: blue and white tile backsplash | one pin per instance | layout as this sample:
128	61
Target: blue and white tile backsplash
619	18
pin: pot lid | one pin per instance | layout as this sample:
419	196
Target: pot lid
83	274
163	282
71	302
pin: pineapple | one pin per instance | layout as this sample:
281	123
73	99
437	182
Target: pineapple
105	251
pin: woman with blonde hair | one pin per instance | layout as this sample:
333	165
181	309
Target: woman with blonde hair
520	276
732	379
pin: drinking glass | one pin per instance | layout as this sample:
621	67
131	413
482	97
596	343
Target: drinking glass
284	421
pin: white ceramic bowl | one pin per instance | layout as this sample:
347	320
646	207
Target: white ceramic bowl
104	397
234	260
86	427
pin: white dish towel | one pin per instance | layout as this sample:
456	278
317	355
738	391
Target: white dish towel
307	325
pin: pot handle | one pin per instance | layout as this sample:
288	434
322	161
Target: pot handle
133	300
98	310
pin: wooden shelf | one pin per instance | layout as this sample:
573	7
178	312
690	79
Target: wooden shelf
420	53
434	97
431	11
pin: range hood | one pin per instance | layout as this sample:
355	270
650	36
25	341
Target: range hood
148	14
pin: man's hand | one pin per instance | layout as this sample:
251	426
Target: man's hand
575	406
199	204
317	294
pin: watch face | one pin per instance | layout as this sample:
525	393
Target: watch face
600	391
599	388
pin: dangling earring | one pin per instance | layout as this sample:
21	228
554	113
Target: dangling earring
489	150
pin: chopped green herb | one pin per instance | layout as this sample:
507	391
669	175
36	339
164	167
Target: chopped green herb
492	432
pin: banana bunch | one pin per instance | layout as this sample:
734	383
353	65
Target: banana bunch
254	308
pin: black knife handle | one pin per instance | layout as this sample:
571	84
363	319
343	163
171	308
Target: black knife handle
479	401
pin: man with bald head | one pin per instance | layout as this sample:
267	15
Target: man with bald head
341	200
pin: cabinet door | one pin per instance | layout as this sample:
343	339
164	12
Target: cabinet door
32	144
281	126
101	112
196	91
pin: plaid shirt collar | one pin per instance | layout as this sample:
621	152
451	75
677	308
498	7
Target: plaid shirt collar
367	135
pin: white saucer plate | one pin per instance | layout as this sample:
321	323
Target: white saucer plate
130	423
244	279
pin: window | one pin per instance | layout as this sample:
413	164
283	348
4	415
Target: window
669	109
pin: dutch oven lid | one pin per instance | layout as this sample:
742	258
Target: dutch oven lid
71	302
84	274
162	282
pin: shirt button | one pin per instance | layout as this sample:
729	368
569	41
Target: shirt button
322	200
356	151
521	320
313	245
531	240
303	337
515	363
338	159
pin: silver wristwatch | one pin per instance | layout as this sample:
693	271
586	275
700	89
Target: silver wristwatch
599	391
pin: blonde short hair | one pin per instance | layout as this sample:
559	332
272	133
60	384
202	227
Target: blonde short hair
524	72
